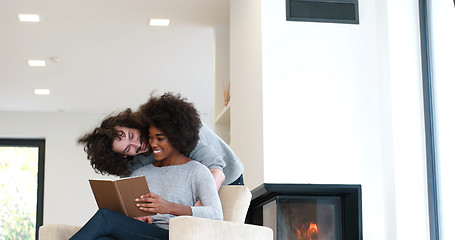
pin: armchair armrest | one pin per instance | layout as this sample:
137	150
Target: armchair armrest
194	228
184	227
57	231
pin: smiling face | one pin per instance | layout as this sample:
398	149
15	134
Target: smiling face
129	142
162	149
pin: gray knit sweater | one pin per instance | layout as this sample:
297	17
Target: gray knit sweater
183	184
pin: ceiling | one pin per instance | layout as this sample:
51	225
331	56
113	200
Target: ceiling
102	55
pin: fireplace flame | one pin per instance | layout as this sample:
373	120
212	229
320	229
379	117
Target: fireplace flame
312	229
307	232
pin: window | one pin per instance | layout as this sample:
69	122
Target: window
21	185
438	56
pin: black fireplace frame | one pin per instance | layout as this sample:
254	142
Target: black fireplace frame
350	195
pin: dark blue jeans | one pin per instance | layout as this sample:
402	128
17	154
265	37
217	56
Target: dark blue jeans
239	181
109	225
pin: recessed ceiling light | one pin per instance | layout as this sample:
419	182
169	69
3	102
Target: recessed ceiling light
42	91
36	63
159	22
28	17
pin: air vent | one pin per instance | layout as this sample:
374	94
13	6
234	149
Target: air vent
331	11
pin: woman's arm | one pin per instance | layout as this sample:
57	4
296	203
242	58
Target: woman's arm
219	177
208	195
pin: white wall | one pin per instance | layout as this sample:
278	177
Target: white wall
341	104
246	88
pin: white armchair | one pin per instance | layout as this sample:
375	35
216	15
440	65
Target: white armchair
235	201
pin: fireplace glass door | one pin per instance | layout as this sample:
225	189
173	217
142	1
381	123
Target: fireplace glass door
306	217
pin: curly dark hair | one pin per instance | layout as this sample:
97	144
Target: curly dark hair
98	143
176	117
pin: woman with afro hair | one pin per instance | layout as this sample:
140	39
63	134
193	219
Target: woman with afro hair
175	181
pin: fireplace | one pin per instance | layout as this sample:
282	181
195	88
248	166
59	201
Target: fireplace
308	211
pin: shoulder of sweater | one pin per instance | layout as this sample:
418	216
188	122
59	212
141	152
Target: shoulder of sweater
197	166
